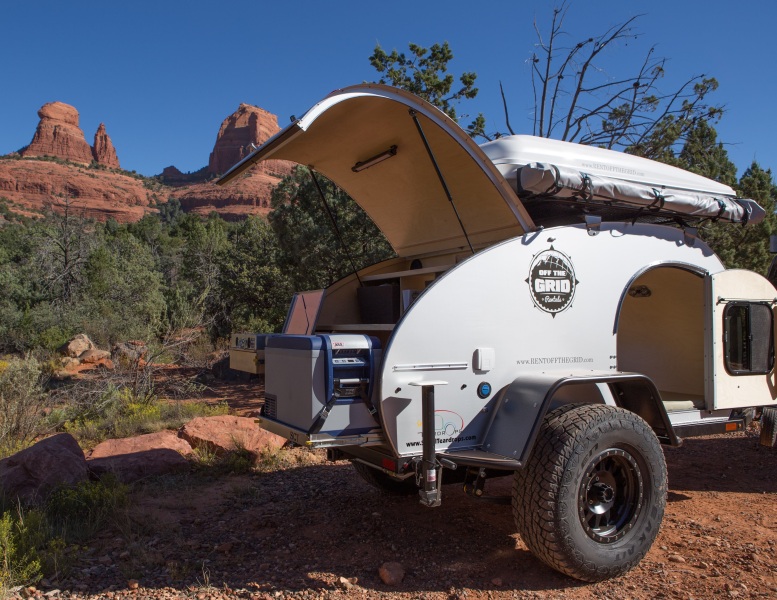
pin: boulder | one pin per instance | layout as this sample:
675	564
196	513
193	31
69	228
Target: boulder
161	440
31	474
69	362
135	458
391	573
58	134
76	346
103	151
94	356
130	351
227	433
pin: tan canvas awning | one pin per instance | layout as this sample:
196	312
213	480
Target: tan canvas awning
401	191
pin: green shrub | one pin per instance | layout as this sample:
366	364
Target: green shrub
19	560
101	409
177	413
37	542
136	418
239	461
78	513
21	403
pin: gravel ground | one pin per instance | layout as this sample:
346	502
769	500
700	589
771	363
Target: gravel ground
316	530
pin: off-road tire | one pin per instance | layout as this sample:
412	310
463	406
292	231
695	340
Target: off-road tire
769	427
384	483
591	498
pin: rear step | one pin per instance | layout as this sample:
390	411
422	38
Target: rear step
698	428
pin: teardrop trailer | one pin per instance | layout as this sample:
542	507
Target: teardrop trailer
550	313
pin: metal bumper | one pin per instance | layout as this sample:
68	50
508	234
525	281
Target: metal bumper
320	440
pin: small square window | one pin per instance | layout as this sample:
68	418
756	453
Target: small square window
748	338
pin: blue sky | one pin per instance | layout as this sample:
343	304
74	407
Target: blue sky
162	75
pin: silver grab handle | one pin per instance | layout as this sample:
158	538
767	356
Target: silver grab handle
341	382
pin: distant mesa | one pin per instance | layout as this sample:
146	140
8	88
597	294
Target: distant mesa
239	132
245	128
59	135
172	176
31	186
248	126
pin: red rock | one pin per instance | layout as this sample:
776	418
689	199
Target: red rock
224	548
76	346
391	573
33	185
58	134
68	362
249	195
226	433
141	456
246	126
129	351
106	363
59	112
173	176
32	473
346	583
94	356
160	440
103	150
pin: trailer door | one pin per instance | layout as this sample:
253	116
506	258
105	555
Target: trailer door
739	340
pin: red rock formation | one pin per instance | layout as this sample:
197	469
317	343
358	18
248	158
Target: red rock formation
248	125
135	458
243	197
103	150
32	473
226	433
76	346
249	194
34	185
58	134
174	177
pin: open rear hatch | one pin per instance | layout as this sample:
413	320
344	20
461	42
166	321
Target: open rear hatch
377	142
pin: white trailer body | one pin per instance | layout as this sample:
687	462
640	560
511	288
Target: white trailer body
538	286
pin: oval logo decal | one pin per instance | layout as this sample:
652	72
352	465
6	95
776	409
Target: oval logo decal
552	281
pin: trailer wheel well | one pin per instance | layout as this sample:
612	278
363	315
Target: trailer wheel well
525	402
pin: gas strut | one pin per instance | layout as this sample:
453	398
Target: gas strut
414	115
334	225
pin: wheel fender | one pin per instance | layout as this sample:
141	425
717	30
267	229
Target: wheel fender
525	402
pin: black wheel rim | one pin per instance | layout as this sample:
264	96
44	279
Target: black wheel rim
610	498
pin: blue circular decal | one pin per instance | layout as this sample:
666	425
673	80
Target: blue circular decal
484	390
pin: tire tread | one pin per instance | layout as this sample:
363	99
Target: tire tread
769	427
537	486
